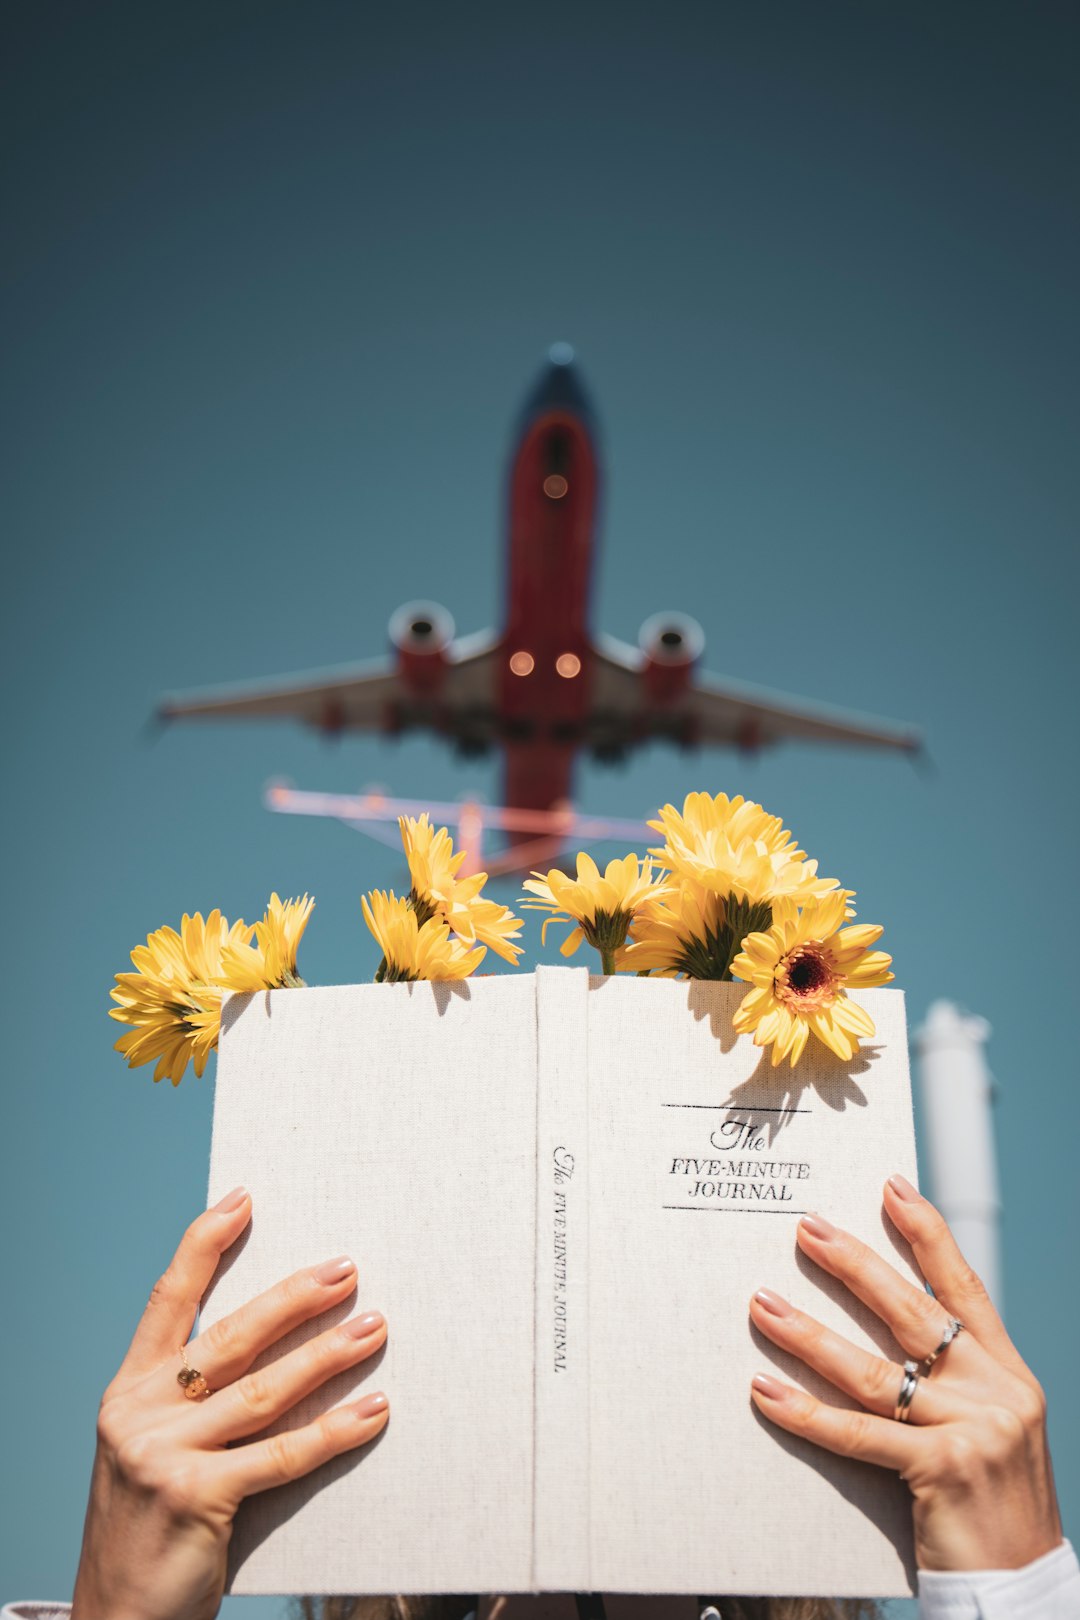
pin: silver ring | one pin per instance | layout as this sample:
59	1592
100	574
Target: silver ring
955	1326
908	1385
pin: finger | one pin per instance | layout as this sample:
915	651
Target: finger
227	1349
290	1455
254	1402
870	1379
954	1282
850	1434
916	1320
174	1299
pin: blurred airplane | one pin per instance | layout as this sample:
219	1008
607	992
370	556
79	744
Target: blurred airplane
545	687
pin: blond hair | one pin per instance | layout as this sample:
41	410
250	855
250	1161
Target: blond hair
456	1608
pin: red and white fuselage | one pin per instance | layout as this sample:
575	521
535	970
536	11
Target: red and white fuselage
545	678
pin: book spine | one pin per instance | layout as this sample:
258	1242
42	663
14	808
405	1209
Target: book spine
561	1451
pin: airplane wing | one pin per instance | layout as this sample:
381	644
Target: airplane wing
710	711
376	697
373	696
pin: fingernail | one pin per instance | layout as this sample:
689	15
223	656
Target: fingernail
771	1388
772	1302
371	1405
332	1271
818	1227
903	1189
360	1326
231	1201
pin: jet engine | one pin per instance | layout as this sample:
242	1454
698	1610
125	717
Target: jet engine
672	643
422	634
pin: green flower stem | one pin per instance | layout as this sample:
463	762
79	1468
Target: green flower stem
606	932
711	958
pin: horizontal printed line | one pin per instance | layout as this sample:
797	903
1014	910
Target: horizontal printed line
740	1108
731	1209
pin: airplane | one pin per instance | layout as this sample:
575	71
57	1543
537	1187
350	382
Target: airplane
546	687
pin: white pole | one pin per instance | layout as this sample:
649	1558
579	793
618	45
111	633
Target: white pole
957	1093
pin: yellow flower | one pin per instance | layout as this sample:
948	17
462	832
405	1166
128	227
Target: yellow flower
269	964
677	933
437	891
801	970
602	907
734	847
433	866
411	949
173	999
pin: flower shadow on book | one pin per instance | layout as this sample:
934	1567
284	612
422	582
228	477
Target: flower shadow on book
443	993
782	1092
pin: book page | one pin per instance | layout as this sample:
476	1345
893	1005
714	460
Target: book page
701	1157
397	1124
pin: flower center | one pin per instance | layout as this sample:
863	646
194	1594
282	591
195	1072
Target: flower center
806	979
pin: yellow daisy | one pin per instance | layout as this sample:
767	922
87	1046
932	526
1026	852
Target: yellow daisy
433	866
437	891
173	999
801	970
602	907
411	949
678	933
734	847
269	964
737	818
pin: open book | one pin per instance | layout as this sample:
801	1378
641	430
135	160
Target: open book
561	1191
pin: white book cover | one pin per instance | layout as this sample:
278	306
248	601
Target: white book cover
561	1191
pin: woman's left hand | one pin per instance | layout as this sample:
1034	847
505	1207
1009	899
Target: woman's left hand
974	1450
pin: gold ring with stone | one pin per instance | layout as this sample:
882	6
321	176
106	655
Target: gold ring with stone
191	1380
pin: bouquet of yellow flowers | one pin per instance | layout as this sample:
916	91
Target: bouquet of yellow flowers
728	895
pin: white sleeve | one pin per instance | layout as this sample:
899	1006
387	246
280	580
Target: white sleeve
35	1611
1048	1589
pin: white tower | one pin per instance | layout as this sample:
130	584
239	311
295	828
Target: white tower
957	1093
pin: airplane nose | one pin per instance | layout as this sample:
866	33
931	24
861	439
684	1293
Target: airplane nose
559	386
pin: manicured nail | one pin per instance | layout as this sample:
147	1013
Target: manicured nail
771	1388
371	1405
334	1271
818	1227
903	1189
360	1326
772	1302
231	1201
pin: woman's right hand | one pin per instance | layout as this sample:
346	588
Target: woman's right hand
169	1475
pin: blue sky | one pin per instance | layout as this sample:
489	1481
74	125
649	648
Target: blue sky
277	278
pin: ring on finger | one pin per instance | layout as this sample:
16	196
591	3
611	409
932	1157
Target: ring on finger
955	1326
908	1385
191	1380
